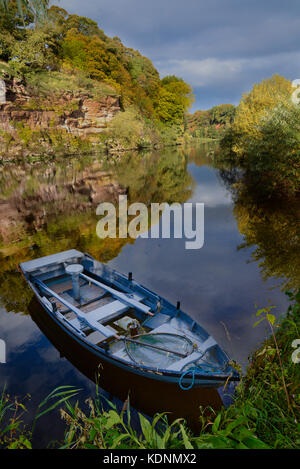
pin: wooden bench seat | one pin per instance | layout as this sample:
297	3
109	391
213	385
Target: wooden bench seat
104	313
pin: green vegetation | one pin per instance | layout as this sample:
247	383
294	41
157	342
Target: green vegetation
65	54
28	143
264	139
46	83
35	7
265	413
211	124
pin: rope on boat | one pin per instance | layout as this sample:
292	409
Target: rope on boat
193	370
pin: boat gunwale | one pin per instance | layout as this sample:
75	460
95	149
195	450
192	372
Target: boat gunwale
141	369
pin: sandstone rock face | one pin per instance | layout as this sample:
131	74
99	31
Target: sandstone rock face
79	114
92	116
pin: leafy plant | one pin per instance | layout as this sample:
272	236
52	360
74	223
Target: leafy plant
38	7
264	139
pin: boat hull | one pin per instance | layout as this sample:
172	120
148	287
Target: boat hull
146	394
54	265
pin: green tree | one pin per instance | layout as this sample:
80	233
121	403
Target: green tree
174	98
12	28
211	123
265	138
34	51
36	7
254	105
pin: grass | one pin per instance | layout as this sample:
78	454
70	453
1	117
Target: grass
45	83
265	413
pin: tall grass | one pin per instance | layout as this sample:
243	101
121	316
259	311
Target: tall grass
13	433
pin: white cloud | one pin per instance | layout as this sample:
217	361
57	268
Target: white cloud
214	71
220	48
202	72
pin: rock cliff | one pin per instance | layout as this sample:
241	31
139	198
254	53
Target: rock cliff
77	113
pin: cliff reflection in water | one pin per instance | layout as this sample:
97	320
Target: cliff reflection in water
47	209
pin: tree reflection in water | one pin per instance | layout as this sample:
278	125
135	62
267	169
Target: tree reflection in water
271	227
47	209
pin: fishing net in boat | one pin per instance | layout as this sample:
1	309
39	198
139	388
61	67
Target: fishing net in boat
158	350
213	360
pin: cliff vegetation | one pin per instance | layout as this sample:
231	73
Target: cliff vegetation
70	88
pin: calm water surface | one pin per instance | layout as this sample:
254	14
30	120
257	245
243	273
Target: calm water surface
247	257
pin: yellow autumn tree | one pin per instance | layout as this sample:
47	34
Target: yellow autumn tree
255	105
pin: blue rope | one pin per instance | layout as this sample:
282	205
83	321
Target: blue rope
193	370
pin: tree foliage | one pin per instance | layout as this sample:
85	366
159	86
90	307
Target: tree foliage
254	106
174	98
265	138
71	43
12	28
25	7
211	123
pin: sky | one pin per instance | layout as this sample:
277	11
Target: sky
220	47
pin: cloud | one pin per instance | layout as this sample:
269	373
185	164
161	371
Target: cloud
202	72
221	48
212	71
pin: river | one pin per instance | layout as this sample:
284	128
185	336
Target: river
247	258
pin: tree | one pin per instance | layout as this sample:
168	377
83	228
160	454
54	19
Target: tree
36	7
181	89
223	114
83	25
211	123
173	100
254	105
12	28
265	138
34	51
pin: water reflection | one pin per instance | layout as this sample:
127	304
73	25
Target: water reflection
156	397
270	227
50	209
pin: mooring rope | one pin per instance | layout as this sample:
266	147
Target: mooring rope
193	370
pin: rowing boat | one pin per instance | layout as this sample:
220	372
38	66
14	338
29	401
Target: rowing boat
124	324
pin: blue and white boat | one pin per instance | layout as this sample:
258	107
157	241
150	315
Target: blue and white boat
124	325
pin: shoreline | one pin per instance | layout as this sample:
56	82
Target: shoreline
100	151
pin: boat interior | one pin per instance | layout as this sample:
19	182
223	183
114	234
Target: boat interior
104	306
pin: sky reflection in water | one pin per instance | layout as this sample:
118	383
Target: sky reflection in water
216	285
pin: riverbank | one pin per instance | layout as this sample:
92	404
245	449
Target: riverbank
65	115
263	140
265	413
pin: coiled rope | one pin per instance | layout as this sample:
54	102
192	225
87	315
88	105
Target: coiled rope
193	370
